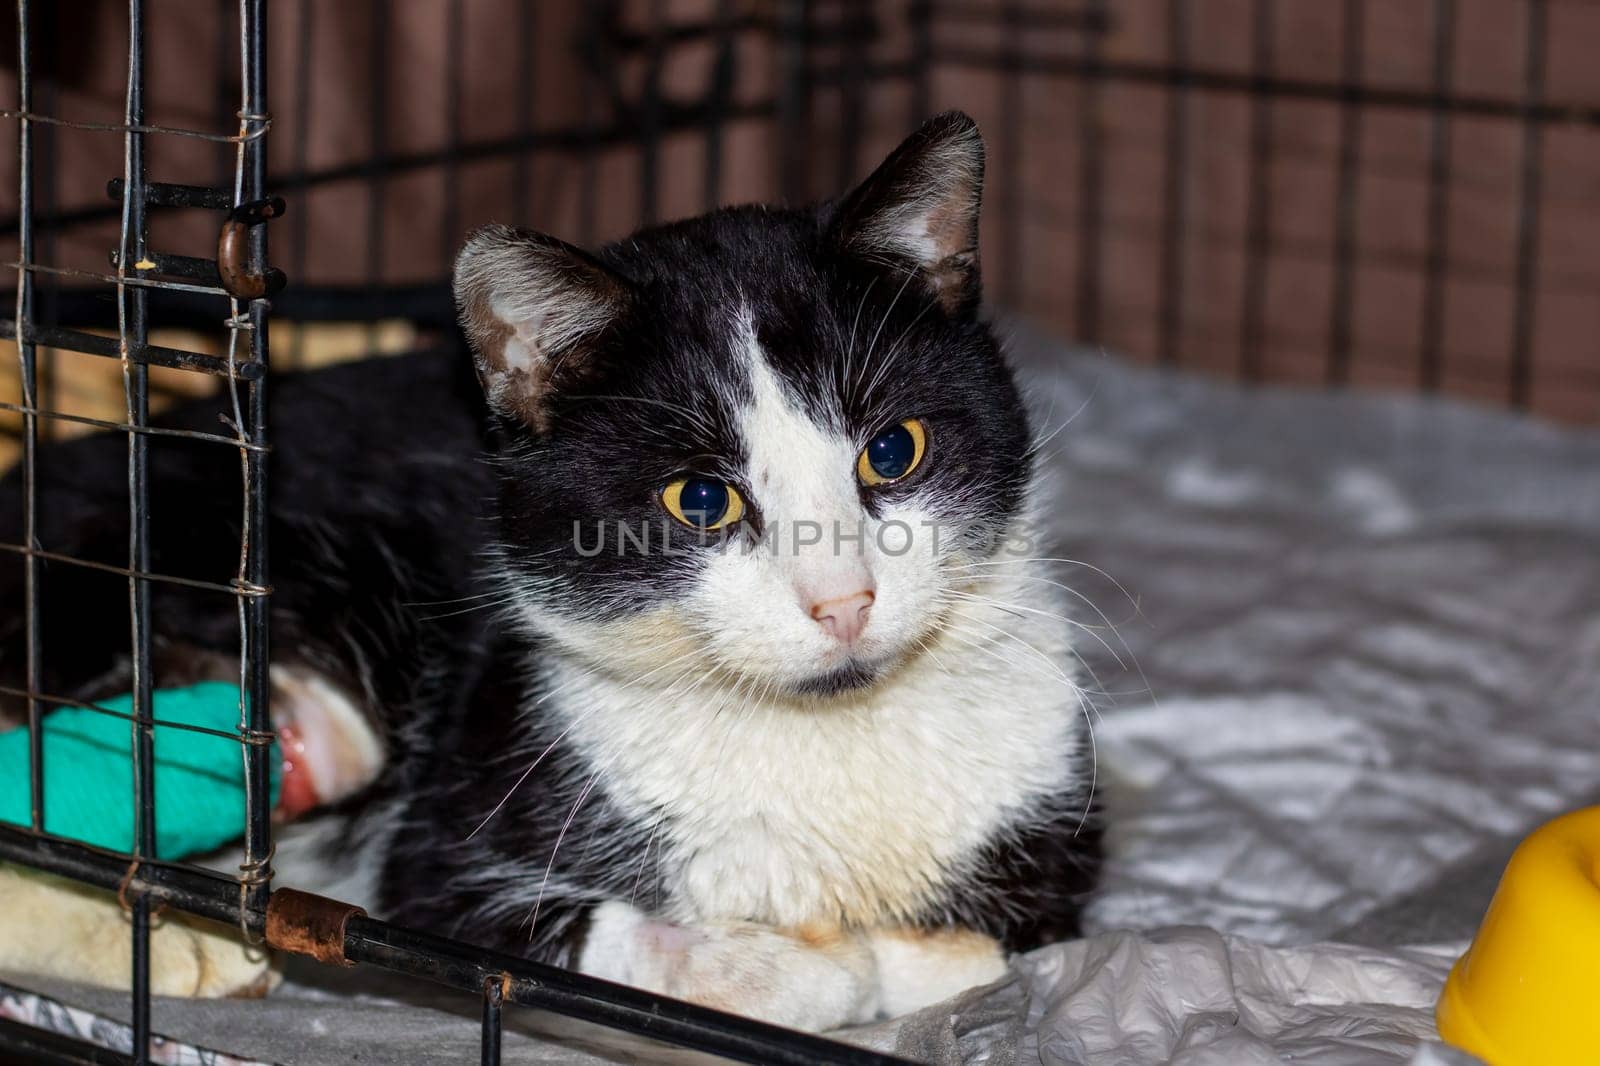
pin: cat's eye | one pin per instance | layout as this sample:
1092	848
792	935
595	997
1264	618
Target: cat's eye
703	503
893	453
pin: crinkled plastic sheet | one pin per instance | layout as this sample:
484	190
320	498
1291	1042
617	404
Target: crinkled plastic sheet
1370	628
1190	996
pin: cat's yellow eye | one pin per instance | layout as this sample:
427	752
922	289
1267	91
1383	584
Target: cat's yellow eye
703	503
893	453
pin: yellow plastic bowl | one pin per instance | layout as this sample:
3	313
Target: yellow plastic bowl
1527	992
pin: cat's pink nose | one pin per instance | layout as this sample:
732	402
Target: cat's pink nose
844	617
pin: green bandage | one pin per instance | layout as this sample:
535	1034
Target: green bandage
88	773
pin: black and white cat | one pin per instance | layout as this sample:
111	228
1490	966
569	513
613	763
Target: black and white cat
701	658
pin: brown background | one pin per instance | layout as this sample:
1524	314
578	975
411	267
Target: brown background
323	102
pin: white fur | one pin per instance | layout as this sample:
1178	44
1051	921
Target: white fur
790	815
916	968
737	966
816	983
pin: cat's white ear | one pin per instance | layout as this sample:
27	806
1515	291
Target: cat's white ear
921	207
530	305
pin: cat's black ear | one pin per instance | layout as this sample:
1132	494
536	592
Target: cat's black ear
921	207
531	305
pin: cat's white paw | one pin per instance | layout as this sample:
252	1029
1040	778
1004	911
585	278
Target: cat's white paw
57	928
803	982
920	967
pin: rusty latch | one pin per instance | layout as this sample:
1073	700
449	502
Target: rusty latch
307	924
233	251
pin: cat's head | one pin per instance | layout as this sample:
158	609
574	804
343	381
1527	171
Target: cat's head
759	446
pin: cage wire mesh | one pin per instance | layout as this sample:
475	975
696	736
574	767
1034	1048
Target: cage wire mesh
1278	190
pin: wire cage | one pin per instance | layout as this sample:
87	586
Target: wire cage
1269	189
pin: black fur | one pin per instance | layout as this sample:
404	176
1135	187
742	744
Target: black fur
400	504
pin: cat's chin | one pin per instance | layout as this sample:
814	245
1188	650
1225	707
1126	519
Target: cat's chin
851	677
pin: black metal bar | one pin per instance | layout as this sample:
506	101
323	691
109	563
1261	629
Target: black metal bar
719	97
687	30
794	100
1008	162
133	334
167	194
1064	66
919	19
376	168
224	94
140	987
588	145
1175	194
179	266
208	894
1437	236
1258	225
305	45
144	355
136	279
45	190
489	1041
21	1042
256	717
1528	207
28	1043
1091	169
522	161
852	109
576	995
27	370
690	30
454	46
1092	17
204	893
649	114
1347	203
428	303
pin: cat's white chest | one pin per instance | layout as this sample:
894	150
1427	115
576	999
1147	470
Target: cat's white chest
854	815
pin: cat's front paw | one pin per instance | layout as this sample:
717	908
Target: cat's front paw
920	967
812	982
